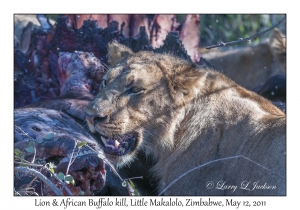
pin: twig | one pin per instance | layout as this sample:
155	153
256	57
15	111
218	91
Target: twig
30	164
29	190
17	193
34	155
108	163
246	39
25	192
30	138
213	161
67	171
41	177
130	189
62	183
53	174
31	182
35	165
138	177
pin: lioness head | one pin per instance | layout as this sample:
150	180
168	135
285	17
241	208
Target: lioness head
277	42
251	65
141	93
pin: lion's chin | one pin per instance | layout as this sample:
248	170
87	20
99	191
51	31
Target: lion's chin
121	161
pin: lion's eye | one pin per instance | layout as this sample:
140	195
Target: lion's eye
134	90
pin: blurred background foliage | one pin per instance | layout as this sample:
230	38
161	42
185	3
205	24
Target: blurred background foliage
215	28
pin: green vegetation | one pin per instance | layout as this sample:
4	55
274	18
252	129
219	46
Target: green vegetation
218	28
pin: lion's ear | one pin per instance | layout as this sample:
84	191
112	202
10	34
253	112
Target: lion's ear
187	85
116	52
277	41
184	80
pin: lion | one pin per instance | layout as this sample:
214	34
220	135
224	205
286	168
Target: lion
252	65
206	134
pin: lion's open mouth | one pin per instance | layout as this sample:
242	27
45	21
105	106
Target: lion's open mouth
119	144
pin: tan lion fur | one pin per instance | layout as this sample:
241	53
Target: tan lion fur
187	116
253	65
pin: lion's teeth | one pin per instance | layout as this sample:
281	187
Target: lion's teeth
117	144
103	140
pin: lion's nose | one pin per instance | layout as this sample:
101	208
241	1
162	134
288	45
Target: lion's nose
100	119
96	118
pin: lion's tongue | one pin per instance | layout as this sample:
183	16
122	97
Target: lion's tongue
110	143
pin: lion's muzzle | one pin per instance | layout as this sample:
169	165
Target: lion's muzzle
110	138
